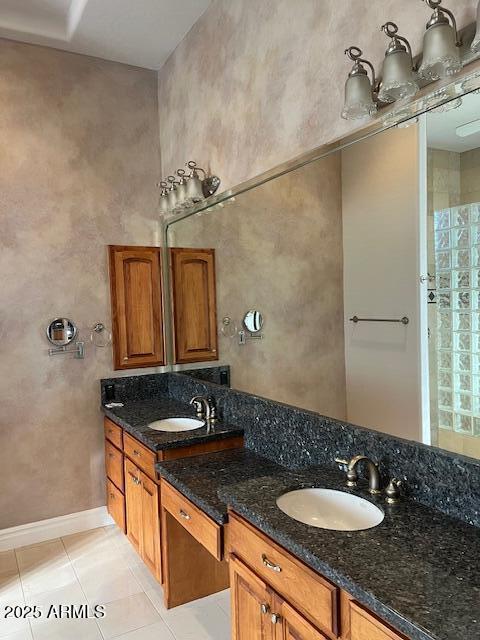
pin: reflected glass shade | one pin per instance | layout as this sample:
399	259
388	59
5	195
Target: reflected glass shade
441	56
194	189
359	101
171	200
398	79
476	40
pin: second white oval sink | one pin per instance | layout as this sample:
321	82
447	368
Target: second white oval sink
330	509
175	425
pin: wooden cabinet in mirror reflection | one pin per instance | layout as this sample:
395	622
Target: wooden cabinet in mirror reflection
137	308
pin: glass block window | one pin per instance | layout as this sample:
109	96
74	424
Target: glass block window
457	260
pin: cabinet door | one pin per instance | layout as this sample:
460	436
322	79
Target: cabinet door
116	504
133	499
194	305
251	604
136	296
150	549
290	625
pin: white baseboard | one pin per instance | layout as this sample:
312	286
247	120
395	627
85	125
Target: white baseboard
35	532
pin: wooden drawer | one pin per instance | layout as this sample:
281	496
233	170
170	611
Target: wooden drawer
365	626
116	504
315	597
114	465
113	433
140	455
199	525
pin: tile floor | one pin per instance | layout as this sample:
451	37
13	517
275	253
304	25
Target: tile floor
99	567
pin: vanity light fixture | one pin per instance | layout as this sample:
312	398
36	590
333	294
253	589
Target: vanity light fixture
441	45
398	72
476	40
359	89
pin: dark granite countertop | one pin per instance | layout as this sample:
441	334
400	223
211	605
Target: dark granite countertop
201	478
418	570
135	416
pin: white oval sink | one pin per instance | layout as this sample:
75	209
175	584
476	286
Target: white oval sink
330	509
175	425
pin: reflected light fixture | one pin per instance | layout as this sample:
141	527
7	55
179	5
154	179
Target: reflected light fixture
359	89
398	78
468	129
476	40
441	44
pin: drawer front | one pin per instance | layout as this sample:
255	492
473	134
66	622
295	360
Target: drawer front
140	455
113	433
364	626
199	525
114	465
309	593
116	504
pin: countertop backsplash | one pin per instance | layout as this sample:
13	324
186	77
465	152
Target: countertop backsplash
297	438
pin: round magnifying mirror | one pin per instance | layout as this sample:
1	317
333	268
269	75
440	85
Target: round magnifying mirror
61	331
253	321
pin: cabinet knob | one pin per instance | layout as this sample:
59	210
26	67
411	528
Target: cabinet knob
125	358
184	515
276	618
136	453
112	496
265	608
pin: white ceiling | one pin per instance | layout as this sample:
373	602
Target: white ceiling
441	127
137	32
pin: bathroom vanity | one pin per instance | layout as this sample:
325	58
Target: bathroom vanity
131	453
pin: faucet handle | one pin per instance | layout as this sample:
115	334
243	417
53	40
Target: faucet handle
392	491
352	475
341	461
199	405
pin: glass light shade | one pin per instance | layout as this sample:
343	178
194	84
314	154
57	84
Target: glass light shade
441	56
194	189
163	205
358	97
398	79
181	192
172	200
476	40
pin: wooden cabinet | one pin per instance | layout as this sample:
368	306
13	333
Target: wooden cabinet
134	502
271	587
150	526
312	595
252	603
258	613
116	505
133	498
194	305
136	297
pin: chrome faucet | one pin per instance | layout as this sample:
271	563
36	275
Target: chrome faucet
205	407
352	475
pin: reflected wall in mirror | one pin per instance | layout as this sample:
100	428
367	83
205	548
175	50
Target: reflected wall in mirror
453	172
363	233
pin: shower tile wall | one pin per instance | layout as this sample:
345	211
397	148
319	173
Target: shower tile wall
444	188
454	257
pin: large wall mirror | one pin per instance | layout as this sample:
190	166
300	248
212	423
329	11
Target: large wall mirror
365	268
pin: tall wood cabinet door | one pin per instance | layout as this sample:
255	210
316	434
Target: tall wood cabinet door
150	550
133	500
251	604
290	625
194	305
136	296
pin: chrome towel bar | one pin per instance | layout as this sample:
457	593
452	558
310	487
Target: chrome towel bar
403	320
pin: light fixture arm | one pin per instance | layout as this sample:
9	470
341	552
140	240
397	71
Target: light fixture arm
391	30
435	5
354	53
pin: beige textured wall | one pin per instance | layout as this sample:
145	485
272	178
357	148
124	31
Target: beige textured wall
279	250
256	83
78	163
470	176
